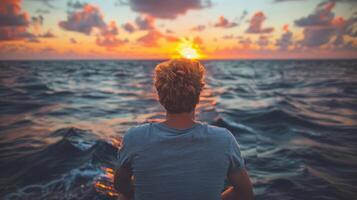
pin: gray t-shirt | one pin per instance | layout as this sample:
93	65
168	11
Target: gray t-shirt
175	164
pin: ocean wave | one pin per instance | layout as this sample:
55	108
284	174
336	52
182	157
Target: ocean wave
40	173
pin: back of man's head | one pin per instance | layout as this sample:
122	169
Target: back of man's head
179	83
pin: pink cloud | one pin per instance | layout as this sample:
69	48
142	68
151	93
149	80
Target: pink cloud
14	22
11	15
108	37
110	42
256	24
129	27
150	39
263	41
245	42
14	33
286	39
153	36
199	28
224	23
83	21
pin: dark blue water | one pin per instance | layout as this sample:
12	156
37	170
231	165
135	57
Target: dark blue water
61	124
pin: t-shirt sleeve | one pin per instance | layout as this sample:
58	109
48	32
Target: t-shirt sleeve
236	161
124	153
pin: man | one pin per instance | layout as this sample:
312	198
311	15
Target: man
180	158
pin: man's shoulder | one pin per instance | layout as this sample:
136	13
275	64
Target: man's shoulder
137	130
219	132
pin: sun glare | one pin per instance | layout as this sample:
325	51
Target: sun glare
187	49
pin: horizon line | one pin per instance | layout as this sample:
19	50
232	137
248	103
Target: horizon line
160	59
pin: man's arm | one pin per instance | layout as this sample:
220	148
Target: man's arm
242	187
123	182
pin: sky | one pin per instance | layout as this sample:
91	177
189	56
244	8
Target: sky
157	29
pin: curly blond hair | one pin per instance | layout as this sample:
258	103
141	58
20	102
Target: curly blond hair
179	83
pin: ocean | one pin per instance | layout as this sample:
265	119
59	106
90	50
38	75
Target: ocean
61	123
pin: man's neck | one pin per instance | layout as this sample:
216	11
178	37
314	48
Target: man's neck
181	120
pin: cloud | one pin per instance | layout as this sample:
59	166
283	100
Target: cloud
108	37
76	4
242	17
285	40
167	9
37	20
322	26
152	38
11	15
197	40
169	31
37	23
88	18
318	27
145	23
224	23
12	48
110	30
48	34
245	42
198	28
314	37
129	27
153	35
73	41
15	33
228	37
263	41
321	17
170	38
350	27
33	39
83	21
110	42
244	14
256	24
14	22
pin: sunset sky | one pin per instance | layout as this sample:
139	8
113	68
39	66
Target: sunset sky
151	29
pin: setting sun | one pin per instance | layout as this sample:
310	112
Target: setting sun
189	52
188	49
